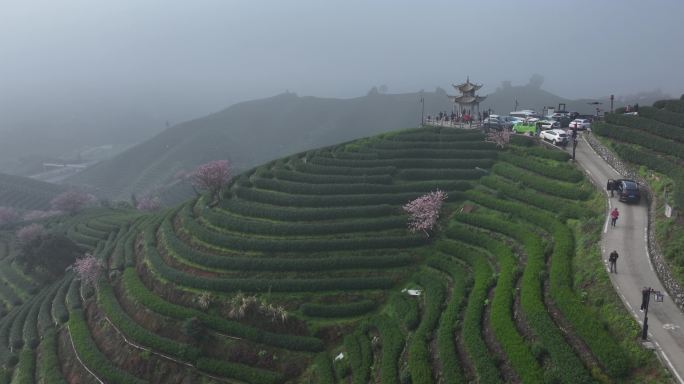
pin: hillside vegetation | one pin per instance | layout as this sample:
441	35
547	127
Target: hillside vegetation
299	275
251	133
654	140
254	132
28	194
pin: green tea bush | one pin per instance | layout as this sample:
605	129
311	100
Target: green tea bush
543	184
7	357
136	290
544	153
44	318
236	224
49	366
338	310
529	196
431	144
664	116
326	170
244	373
90	354
280	213
446	348
392	346
417	174
644	139
178	249
111	307
315	178
323	369
563	171
26	367
311	201
648	125
434	292
355	189
285	244
60	314
406	309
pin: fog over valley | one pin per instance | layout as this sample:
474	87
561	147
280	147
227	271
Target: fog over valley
77	74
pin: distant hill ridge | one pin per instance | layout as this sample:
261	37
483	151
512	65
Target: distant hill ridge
24	193
257	131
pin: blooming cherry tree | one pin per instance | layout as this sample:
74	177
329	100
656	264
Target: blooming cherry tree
38	215
212	176
29	233
148	203
424	211
88	269
72	201
8	215
500	138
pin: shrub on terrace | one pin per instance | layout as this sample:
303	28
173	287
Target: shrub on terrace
48	252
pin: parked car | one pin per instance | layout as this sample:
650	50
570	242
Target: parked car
526	128
628	191
549	124
580	124
492	123
498	120
556	136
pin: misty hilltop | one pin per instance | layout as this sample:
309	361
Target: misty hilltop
253	132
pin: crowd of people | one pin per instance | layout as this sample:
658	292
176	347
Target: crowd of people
456	118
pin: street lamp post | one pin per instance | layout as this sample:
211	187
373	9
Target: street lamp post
645	299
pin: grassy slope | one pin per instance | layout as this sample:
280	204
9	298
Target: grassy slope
320	236
660	160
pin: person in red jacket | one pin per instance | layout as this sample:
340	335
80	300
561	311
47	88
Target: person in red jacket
614	214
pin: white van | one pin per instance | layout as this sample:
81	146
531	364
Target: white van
524	114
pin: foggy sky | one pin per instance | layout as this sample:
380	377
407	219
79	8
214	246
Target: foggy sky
176	60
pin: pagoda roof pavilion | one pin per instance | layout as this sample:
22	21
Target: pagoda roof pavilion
467	87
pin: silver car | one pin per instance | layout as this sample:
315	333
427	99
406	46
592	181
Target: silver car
556	136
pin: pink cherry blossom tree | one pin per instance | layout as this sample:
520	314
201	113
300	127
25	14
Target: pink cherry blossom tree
38	215
30	233
212	176
501	138
88	268
8	215
72	201
424	211
148	204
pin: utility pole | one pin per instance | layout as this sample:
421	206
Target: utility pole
612	97
422	111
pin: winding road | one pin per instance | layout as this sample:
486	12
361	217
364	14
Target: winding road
635	271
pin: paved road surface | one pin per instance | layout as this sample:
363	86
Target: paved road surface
628	238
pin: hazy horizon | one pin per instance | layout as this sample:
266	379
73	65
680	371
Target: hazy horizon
74	64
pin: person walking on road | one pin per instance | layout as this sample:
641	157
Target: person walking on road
610	186
612	260
614	214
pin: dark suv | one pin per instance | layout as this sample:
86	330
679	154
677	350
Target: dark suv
628	191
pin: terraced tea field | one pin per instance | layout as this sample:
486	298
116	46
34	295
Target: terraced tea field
24	193
654	141
305	272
